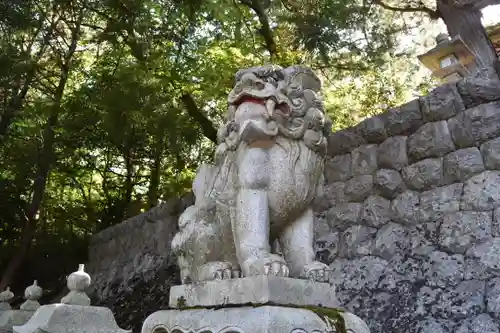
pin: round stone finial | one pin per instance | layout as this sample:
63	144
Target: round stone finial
442	38
6	295
79	280
33	292
77	283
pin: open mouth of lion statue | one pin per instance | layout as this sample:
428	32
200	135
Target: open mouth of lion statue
255	103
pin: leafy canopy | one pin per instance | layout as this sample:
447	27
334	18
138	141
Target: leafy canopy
108	107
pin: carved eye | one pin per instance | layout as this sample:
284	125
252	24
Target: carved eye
272	81
259	85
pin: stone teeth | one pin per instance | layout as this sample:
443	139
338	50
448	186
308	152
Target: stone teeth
270	105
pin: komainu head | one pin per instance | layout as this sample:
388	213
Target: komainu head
290	106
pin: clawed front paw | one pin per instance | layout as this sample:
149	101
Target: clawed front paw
225	274
316	271
276	269
222	274
217	271
269	264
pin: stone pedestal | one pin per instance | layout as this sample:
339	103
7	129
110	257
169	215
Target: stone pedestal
259	304
13	317
263	289
64	318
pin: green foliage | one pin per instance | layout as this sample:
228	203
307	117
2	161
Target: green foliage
352	99
94	124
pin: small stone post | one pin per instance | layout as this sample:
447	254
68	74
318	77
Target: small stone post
74	314
32	294
11	318
6	297
77	283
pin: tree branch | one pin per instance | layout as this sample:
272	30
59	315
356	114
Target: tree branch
47	86
265	28
433	14
206	125
244	21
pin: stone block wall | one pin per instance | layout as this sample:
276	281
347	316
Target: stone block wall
410	224
131	266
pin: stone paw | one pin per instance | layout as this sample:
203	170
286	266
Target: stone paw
270	264
223	274
236	273
276	269
316	271
228	273
217	270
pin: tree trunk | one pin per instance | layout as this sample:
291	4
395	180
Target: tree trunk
44	164
154	177
128	184
206	125
17	100
466	22
15	104
43	168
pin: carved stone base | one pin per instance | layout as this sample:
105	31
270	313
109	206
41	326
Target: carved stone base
263	319
63	318
4	306
256	304
13	317
257	290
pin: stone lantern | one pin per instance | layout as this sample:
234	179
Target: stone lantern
450	60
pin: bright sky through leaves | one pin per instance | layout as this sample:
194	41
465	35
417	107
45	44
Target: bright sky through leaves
491	15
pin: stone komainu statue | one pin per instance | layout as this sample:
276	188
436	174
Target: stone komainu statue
268	169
